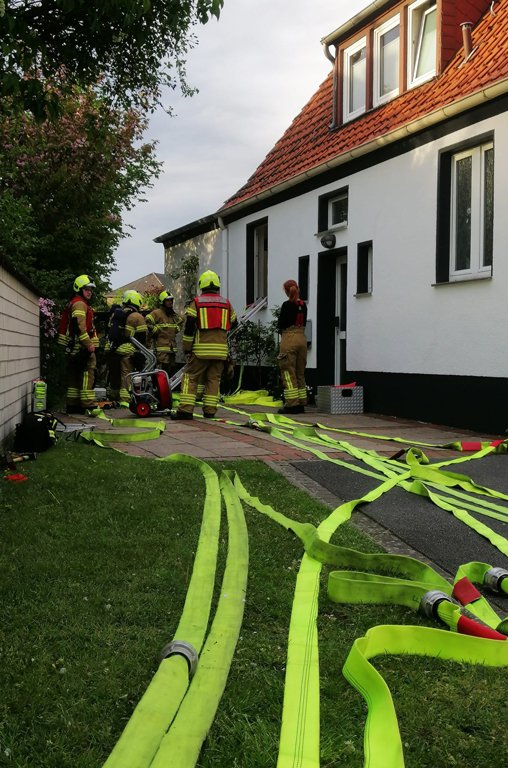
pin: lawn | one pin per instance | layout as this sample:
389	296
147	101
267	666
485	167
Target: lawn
96	550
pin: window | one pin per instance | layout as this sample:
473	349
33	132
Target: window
257	260
364	268
333	210
337	211
466	213
355	79
422	42
472	212
303	277
386	61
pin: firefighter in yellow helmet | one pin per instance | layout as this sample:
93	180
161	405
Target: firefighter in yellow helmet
126	322
163	324
208	319
78	335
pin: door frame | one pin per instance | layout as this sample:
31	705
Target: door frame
325	315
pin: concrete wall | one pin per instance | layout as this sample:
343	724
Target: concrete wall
19	350
408	324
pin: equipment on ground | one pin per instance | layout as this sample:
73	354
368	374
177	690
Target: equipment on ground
11	459
248	313
39	396
150	388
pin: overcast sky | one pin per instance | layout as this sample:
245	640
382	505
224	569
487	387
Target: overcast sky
255	69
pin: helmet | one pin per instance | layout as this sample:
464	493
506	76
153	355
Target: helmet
165	295
209	280
132	297
83	281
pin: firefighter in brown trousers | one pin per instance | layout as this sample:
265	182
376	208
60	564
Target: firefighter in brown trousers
163	325
208	319
78	335
293	349
127	322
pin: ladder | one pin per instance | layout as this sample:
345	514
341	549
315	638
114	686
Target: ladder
248	313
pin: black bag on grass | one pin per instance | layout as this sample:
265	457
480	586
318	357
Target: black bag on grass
36	433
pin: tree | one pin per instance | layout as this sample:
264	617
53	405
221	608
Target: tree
63	185
132	46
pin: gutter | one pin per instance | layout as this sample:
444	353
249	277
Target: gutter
419	124
351	25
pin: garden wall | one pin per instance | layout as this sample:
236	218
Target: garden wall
19	345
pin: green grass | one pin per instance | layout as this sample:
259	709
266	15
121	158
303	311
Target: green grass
94	554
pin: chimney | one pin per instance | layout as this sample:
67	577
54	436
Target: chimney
466	38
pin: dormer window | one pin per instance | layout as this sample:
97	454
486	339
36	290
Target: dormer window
386	61
355	79
422	42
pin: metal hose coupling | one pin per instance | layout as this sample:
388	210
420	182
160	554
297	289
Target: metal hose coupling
430	601
181	648
494	578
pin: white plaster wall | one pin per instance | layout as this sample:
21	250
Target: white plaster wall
408	324
19	350
209	249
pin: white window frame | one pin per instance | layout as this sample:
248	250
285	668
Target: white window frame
378	33
476	268
343	224
348	53
414	48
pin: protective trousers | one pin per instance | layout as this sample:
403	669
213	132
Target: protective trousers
201	370
292	360
80	391
166	361
119	366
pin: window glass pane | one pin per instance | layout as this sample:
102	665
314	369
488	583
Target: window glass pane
426	55
389	55
338	211
488	207
357	79
463	179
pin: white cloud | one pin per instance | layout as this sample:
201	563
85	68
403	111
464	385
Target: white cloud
255	69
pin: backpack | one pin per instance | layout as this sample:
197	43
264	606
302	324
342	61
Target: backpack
36	433
116	330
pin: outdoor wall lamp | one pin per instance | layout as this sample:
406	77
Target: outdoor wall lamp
328	241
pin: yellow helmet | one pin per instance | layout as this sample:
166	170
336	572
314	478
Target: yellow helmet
83	281
132	297
209	280
165	295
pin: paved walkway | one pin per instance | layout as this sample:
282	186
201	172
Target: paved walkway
206	439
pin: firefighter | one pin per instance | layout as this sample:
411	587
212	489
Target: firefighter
208	319
292	357
163	325
126	323
77	333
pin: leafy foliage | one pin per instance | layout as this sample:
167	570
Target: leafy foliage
188	272
255	343
63	186
132	46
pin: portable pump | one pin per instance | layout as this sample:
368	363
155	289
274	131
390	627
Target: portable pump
150	389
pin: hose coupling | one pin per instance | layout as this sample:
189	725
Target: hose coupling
181	648
430	601
493	578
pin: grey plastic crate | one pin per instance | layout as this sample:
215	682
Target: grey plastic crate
340	399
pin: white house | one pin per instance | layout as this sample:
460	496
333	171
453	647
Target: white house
386	200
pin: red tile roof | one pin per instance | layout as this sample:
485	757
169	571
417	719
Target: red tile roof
308	142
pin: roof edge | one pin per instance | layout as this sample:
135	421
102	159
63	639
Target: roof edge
356	22
198	227
437	116
15	272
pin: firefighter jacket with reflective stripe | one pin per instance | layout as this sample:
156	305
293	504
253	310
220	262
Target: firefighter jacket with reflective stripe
208	319
77	326
292	314
162	328
135	326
